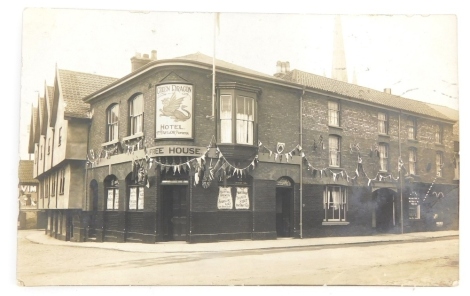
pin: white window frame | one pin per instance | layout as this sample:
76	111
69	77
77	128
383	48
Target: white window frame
112	122
333	113
383	157
335	198
334	144
139	202
412	128
412	159
61	181
382	118
439	163
136	116
245	122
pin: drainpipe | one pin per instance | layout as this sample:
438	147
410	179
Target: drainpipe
400	172
301	163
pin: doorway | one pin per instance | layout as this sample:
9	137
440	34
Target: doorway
284	209
385	210
174	212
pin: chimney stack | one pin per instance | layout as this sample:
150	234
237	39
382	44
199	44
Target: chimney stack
138	60
282	68
388	90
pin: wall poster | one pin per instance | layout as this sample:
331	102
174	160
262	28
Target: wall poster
116	199
225	201
174	117
109	204
242	200
140	205
133	198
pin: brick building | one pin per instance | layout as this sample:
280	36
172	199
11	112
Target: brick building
157	157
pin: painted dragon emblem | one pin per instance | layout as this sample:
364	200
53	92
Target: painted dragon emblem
172	108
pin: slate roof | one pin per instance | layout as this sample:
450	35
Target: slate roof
42	115
452	114
75	86
50	95
361	93
25	172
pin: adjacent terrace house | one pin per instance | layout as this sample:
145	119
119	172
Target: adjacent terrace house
154	156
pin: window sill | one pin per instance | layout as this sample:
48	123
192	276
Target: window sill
135	136
115	141
333	223
335	127
413	141
335	168
384	135
439	144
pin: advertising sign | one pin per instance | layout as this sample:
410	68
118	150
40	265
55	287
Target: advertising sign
174	111
133	198
140	204
242	201
109	204
225	201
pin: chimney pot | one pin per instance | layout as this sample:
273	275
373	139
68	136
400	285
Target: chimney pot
146	56
154	55
138	55
287	66
388	90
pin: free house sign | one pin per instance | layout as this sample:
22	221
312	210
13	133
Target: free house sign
174	111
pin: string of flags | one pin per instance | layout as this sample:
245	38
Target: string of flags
280	155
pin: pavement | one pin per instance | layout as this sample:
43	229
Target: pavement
39	237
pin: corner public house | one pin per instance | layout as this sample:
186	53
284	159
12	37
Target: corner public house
154	156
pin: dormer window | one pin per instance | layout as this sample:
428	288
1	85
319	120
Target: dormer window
112	115
136	114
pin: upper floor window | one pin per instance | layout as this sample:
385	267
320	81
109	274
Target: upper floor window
412	161
383	156
383	123
48	146
40	153
439	163
237	114
112	115
412	128
335	203
59	142
136	114
61	181
333	113
335	151
54	176
438	133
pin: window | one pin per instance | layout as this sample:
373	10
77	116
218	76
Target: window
414	209
49	146
439	163
53	185
226	119
46	183
335	151
136	113
412	127
40	151
136	198
333	113
383	155
61	181
335	203
60	137
237	118
112	194
112	115
383	123
412	161
245	120
438	133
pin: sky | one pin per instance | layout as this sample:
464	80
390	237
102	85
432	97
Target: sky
406	46
415	56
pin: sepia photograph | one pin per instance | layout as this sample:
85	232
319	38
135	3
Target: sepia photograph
224	148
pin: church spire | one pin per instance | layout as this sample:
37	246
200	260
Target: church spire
339	71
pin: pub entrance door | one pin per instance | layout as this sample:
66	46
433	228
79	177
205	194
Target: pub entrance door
284	208
174	212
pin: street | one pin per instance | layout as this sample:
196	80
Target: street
431	262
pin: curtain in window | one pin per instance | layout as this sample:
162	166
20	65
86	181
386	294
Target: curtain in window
244	120
383	154
412	161
136	113
226	119
113	117
334	151
333	112
382	123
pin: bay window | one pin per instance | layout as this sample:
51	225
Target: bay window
335	203
237	113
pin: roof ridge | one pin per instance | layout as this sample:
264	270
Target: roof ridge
86	73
